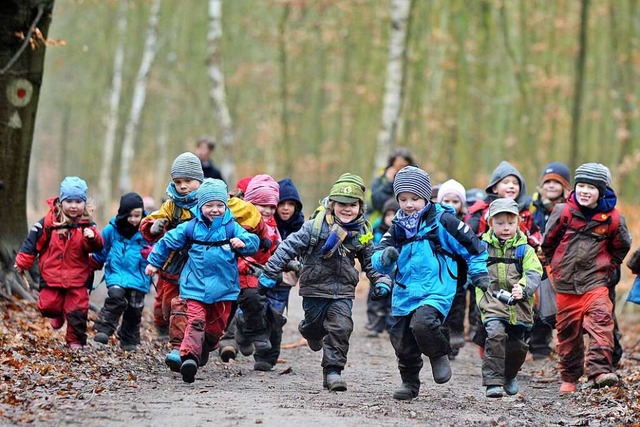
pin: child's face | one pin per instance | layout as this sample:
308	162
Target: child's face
346	212
411	203
388	217
587	195
73	208
266	211
552	189
286	209
508	188
135	216
213	209
452	199
504	225
185	186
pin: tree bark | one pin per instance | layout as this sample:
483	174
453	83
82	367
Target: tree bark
23	31
393	88
578	86
139	97
218	93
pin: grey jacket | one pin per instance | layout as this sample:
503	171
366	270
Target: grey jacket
335	277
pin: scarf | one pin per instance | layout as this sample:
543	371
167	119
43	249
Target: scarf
291	225
409	223
124	227
338	232
185	202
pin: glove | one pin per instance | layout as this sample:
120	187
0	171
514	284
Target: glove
482	282
265	244
158	226
293	265
380	291
389	256
255	270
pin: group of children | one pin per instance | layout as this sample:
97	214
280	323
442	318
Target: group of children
226	264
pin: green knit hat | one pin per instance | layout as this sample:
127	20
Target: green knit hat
347	189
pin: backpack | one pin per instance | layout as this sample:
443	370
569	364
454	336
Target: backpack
612	221
517	260
478	207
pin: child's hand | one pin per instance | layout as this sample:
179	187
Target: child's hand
517	291
158	226
150	270
17	269
88	233
236	243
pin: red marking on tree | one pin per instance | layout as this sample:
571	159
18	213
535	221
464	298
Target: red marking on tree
21	92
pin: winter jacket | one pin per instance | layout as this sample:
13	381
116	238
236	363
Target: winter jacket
210	273
381	191
64	260
248	280
579	261
168	210
122	259
335	277
504	276
422	276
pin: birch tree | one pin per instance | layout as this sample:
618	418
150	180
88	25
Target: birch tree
393	88
139	96
104	183
217	92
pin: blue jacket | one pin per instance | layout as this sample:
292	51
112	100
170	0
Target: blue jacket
423	277
211	272
123	263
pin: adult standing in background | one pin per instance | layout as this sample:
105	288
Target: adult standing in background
382	187
204	148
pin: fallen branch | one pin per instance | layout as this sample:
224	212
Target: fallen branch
300	343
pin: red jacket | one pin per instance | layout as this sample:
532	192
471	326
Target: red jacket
270	232
63	253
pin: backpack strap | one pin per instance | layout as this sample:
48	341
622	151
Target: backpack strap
612	221
315	231
228	230
517	259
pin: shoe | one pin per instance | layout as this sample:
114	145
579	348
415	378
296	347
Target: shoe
315	345
606	380
262	345
493	391
334	382
204	358
246	348
101	337
173	360
567	387
407	391
441	369
263	366
128	347
57	322
75	345
188	369
511	386
227	353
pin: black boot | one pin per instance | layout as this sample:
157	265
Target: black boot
441	369
407	391
333	382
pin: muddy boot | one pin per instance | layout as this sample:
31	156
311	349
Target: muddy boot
441	369
334	382
261	365
101	337
511	386
494	391
173	360
227	353
188	370
407	391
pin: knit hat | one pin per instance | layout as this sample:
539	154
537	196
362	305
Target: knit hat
263	190
187	165
212	189
128	202
452	187
503	205
73	188
347	188
594	174
243	183
390	205
558	172
413	180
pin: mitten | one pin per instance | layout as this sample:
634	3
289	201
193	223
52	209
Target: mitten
293	265
158	226
389	256
482	282
380	291
265	244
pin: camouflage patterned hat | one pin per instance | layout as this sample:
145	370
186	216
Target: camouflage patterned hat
347	189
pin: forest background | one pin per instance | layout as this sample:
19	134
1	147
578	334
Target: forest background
483	81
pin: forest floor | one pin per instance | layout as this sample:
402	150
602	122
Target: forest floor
44	383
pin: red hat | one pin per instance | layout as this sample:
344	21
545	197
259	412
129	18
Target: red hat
243	183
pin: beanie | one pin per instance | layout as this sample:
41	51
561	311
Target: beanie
212	189
452	187
594	174
187	165
73	188
559	172
347	189
243	183
129	202
503	205
263	190
414	180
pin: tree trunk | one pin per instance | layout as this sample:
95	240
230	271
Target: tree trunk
21	67
289	159
578	85
161	162
139	96
104	182
393	88
217	93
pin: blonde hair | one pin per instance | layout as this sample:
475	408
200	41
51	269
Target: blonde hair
63	219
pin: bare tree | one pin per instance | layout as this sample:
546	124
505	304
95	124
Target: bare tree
139	97
578	87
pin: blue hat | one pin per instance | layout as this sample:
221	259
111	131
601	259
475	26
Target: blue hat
73	188
212	189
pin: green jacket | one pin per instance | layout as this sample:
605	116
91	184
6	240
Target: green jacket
504	276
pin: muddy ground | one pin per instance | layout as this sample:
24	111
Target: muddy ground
137	389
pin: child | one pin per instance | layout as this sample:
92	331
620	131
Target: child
124	274
379	309
513	267
209	279
420	248
186	177
586	239
62	241
329	245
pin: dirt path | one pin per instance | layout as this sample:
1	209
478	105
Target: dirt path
292	394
